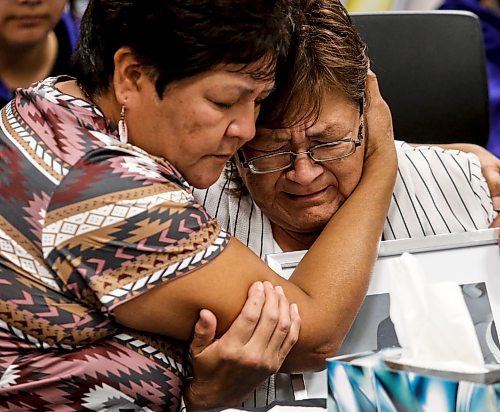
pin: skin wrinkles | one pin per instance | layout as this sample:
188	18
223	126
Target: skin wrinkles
189	126
301	200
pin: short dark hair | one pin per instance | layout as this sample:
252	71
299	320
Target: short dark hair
326	54
180	38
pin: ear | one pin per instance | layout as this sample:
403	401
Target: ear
128	75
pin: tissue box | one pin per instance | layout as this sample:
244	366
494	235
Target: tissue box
372	381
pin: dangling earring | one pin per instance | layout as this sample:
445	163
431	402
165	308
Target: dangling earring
122	127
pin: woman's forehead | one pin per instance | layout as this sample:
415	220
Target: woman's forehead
340	119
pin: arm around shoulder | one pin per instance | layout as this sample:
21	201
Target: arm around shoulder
328	285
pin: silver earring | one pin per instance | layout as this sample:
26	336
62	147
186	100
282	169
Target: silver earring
122	127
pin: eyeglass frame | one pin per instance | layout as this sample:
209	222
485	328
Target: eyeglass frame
247	164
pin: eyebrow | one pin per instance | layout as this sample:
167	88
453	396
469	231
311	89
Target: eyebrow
331	129
282	135
246	90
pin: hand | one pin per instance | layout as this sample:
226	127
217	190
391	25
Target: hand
490	166
379	130
228	369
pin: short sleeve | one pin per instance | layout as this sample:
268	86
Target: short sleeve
121	223
437	191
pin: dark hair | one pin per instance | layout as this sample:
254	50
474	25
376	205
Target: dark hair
326	54
180	38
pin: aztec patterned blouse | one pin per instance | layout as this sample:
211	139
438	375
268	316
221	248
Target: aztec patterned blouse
87	223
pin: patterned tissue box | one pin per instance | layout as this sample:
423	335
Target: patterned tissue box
369	381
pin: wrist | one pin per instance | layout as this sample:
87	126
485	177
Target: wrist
193	399
200	396
382	161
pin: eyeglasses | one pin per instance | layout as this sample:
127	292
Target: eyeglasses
324	152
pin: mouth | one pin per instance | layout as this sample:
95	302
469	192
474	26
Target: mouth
223	157
27	20
307	197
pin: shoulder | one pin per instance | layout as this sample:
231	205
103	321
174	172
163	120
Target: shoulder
437	191
435	159
58	128
112	173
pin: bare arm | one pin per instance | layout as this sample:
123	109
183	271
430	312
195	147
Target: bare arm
228	369
328	285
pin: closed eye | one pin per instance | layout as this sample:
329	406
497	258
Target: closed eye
315	140
222	105
282	148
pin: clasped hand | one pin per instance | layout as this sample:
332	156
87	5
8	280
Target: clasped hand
228	369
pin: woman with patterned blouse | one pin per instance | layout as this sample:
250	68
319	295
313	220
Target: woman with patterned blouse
106	260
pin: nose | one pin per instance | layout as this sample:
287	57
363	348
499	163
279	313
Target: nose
304	170
243	124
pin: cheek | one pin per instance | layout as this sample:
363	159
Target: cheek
204	126
348	173
57	10
262	188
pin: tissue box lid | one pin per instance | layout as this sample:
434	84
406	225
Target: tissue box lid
366	382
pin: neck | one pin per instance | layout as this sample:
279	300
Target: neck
290	241
105	103
21	67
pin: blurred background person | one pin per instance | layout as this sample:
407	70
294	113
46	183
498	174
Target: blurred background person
37	38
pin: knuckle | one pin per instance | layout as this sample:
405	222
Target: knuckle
293	340
273	318
271	365
230	354
253	361
250	316
271	314
283	326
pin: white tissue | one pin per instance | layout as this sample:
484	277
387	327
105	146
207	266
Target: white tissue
432	322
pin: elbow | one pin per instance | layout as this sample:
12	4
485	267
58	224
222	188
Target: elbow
310	358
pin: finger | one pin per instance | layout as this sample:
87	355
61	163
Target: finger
378	126
268	319
282	326
243	327
372	84
496	203
204	332
496	223
492	176
293	333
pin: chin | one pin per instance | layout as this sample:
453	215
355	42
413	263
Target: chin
312	220
308	224
201	183
204	181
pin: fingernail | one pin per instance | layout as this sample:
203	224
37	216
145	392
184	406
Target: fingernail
280	290
294	308
268	285
259	286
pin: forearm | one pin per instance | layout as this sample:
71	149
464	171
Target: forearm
335	272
